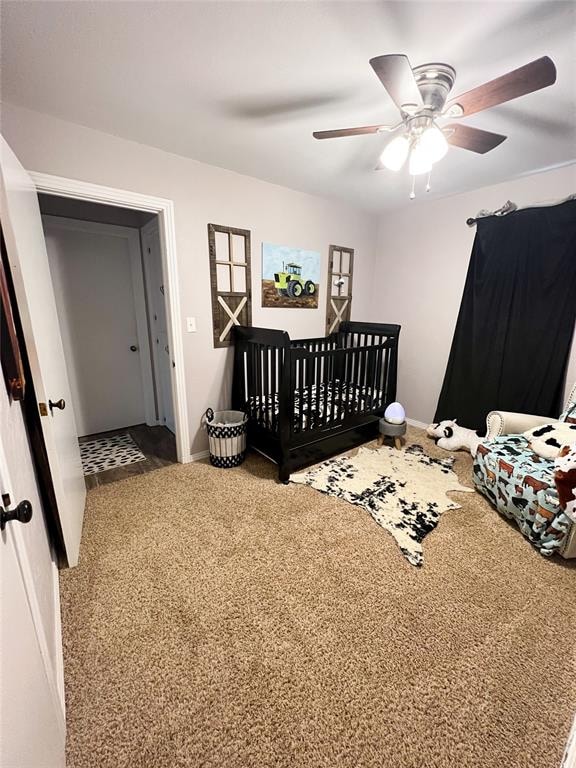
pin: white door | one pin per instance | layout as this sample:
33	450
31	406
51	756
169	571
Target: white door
158	323
32	715
97	276
26	249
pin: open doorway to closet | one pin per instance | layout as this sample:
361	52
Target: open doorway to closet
106	268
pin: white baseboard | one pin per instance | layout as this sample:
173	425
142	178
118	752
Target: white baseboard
197	456
414	423
204	454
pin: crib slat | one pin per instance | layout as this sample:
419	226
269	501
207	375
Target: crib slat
361	365
265	385
272	386
310	386
300	392
361	373
325	395
351	378
255	389
385	374
314	418
339	356
376	392
261	383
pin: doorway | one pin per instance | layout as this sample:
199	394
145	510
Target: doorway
75	190
106	268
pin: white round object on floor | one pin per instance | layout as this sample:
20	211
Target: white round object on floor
395	414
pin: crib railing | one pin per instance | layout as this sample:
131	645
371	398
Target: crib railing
307	385
330	386
260	374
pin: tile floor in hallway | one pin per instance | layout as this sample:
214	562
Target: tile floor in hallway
158	444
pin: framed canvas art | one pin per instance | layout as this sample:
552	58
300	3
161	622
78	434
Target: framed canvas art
290	277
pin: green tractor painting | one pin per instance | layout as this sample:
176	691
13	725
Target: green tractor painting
290	277
291	283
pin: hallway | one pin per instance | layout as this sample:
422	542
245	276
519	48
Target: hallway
157	444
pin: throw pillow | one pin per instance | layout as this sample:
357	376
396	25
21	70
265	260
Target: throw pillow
548	440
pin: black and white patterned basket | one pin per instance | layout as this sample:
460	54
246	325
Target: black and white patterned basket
226	437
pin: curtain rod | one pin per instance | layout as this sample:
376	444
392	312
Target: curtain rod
509	207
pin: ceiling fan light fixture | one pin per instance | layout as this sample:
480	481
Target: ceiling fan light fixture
419	161
395	153
433	143
423	95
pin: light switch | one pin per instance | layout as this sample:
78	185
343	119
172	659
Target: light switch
191	324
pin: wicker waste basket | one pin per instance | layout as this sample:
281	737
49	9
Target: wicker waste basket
226	437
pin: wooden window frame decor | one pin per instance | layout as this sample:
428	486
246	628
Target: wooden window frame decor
11	359
229	307
338	306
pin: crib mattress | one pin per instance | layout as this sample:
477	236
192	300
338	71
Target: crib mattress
314	405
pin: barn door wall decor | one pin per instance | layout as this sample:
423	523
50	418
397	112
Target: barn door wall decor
230	281
339	293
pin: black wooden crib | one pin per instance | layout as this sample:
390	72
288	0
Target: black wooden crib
308	399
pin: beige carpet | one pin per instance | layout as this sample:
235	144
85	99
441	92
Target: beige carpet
218	619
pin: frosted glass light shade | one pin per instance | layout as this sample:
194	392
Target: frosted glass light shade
419	161
395	414
395	153
433	143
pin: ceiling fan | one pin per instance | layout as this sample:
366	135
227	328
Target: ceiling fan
421	94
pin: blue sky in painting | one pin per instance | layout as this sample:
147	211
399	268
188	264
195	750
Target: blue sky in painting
273	256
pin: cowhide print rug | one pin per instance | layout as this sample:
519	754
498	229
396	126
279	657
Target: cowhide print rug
404	491
109	452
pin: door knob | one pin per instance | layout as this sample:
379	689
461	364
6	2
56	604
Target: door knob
133	348
22	513
60	404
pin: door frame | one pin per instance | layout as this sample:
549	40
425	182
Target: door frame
164	208
132	238
151	230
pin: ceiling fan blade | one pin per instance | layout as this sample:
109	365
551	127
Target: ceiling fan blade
364	129
396	76
474	139
538	74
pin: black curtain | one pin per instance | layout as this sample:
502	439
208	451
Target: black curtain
516	321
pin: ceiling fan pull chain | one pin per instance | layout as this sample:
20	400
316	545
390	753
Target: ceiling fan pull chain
412	192
428	185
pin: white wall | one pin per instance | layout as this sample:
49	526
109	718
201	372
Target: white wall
421	262
203	194
409	267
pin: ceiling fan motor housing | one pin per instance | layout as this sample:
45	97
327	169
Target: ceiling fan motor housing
421	94
434	82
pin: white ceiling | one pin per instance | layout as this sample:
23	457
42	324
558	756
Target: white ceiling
242	85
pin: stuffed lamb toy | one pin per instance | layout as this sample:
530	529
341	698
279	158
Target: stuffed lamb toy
452	437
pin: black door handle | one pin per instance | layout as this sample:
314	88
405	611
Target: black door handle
60	404
22	513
